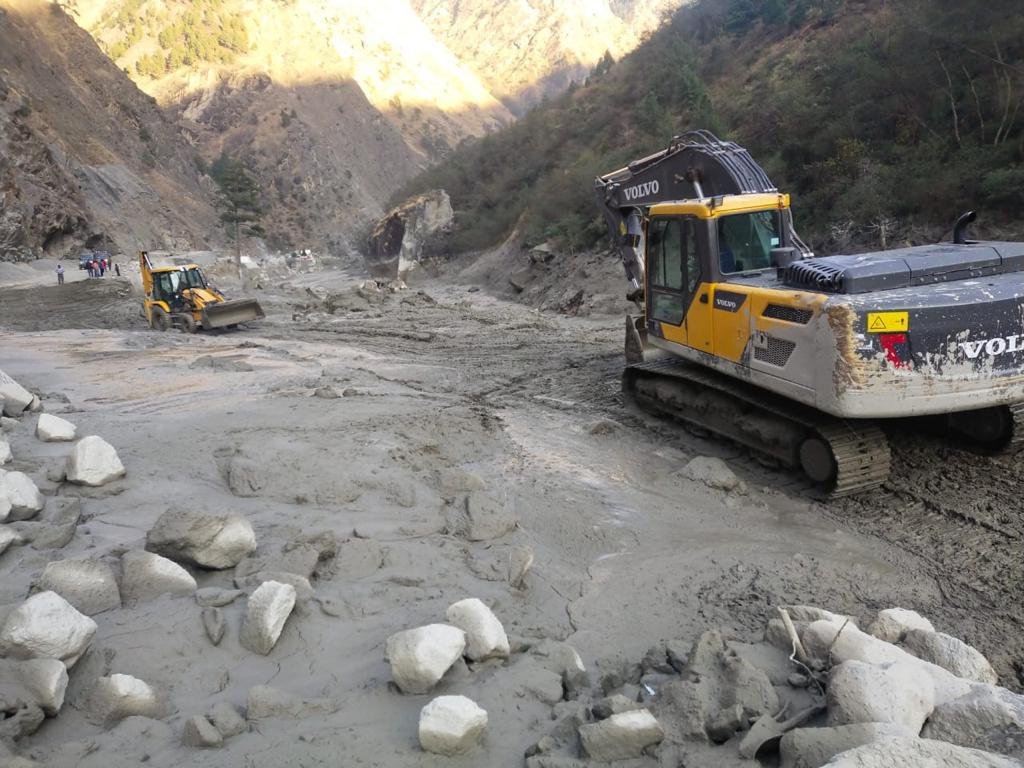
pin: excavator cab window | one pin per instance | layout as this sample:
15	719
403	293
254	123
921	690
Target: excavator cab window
670	261
192	278
745	241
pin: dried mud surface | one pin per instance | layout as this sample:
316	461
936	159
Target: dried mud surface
439	391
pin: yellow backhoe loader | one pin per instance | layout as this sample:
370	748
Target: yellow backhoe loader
179	296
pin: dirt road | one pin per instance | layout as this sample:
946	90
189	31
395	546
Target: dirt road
370	419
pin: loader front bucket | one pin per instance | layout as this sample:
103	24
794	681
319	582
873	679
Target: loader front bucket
231	313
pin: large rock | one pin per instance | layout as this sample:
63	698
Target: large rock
485	636
987	718
622	736
451	725
46	626
892	624
713	472
6	456
952	654
93	461
267	610
43	682
265	701
54	429
892	693
23	497
147	576
813	747
416	230
226	720
118	696
8	536
895	752
209	541
14	397
420	657
824	640
484	518
87	583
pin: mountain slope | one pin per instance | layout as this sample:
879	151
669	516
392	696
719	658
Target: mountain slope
884	119
532	49
85	157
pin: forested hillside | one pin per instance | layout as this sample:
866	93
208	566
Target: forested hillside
884	119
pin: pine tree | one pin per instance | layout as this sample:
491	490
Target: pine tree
239	201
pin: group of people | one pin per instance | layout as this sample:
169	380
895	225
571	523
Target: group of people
99	267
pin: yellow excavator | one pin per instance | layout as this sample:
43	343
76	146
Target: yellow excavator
178	295
804	359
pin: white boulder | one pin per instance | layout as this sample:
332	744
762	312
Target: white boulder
451	725
8	536
895	751
622	736
805	747
93	461
887	693
209	541
46	626
14	397
485	636
988	718
146	576
892	624
420	657
87	583
43	681
5	452
118	696
21	494
54	429
952	654
267	610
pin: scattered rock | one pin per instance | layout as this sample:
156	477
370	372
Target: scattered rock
562	659
485	636
87	583
725	723
146	576
622	736
485	518
217	597
713	472
543	745
14	397
265	701
119	696
42	682
892	624
36	405
5	452
604	427
54	429
213	623
200	732
301	559
613	705
7	424
813	747
303	589
245	477
22	495
267	610
951	654
895	751
221	363
19	718
8	537
46	626
420	657
987	718
451	725
94	462
891	693
209	541
227	720
542	684
327	393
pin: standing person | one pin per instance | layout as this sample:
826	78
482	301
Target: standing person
89	267
117	269
60	274
102	263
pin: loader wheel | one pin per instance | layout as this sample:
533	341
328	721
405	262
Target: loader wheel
159	320
188	324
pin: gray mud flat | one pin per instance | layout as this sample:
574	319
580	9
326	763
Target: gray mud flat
366	422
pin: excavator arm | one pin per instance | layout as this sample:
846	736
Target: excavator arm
695	166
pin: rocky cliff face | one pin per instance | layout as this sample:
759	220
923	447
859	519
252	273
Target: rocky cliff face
86	159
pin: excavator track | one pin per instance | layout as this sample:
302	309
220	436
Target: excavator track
843	457
1016	442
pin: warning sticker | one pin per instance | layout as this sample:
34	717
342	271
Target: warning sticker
888	322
